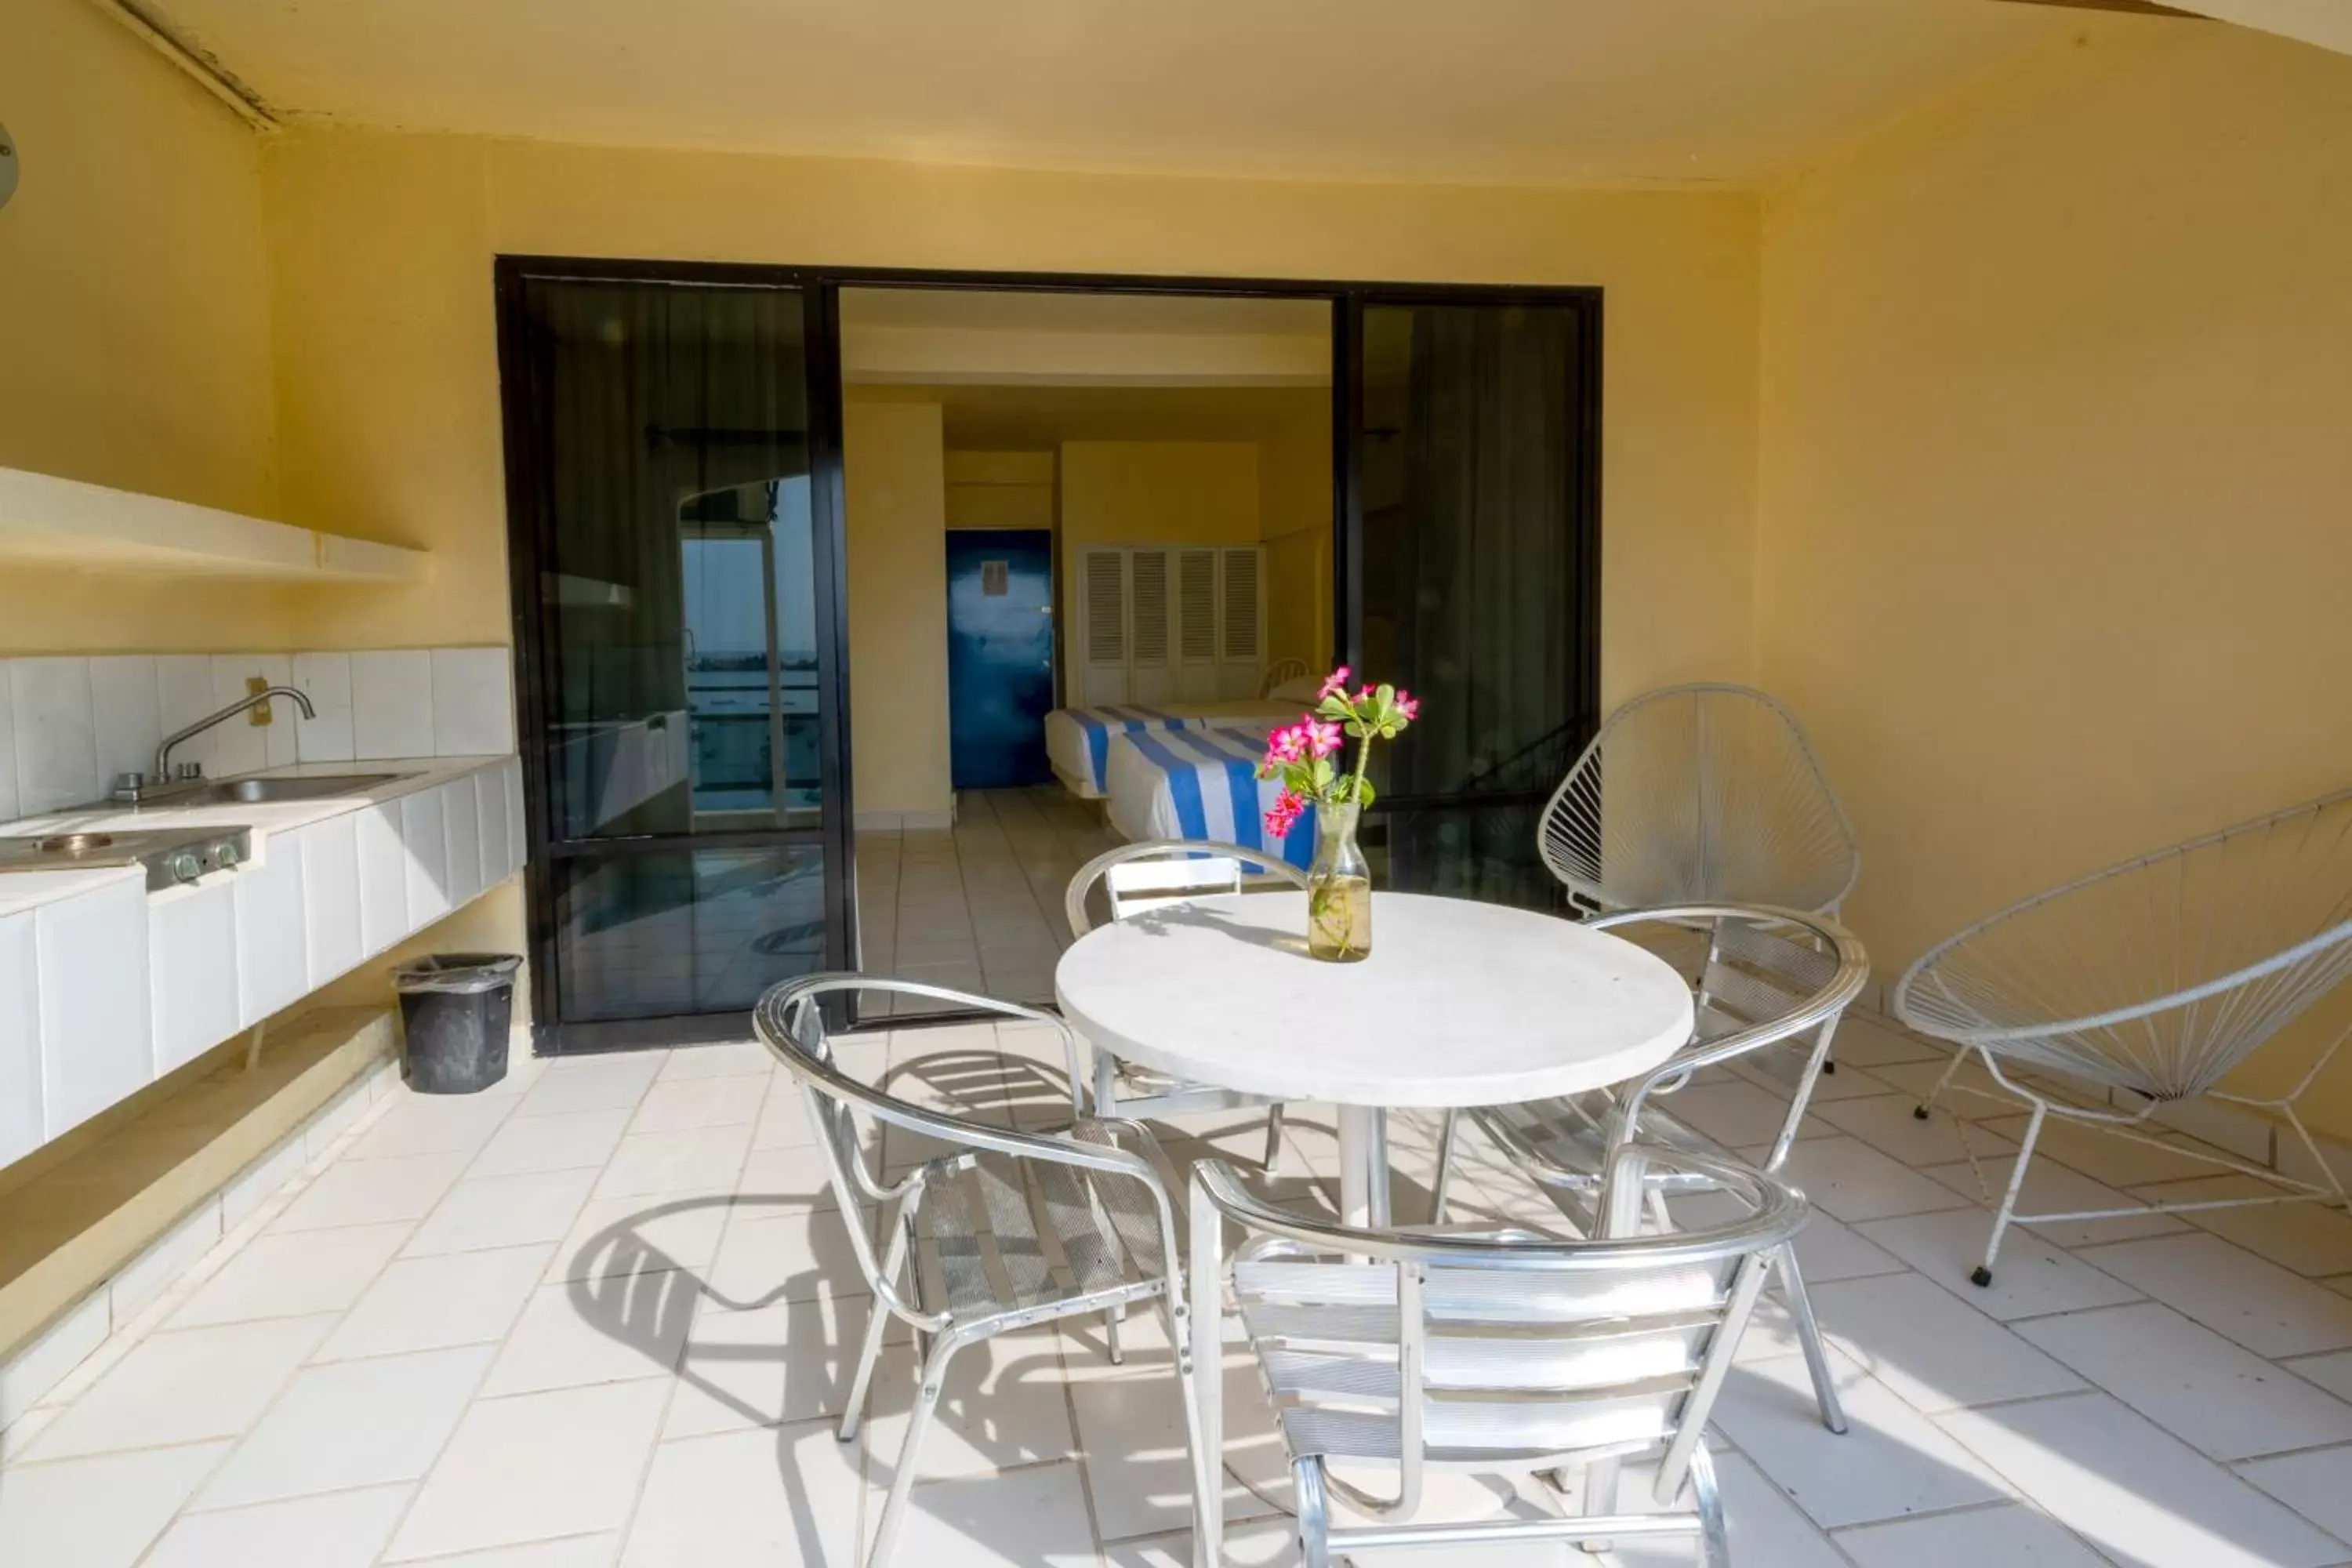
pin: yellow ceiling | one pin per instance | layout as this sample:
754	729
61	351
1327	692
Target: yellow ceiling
1500	91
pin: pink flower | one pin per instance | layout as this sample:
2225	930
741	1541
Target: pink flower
1407	707
1289	744
1284	814
1322	738
1336	683
1365	698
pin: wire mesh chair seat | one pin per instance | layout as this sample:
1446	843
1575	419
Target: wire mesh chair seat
2145	983
1152	874
1504	1354
1708	792
1769	999
1002	1229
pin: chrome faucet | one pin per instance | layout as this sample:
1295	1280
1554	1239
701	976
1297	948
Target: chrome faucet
163	753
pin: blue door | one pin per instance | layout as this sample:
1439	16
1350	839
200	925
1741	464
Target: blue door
1000	656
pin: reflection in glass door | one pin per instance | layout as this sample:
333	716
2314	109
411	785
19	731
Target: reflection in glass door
675	535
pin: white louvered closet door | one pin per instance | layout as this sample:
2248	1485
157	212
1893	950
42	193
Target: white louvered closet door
1196	625
1102	640
1151	668
1241	621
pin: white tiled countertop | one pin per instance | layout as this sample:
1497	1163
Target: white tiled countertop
105	986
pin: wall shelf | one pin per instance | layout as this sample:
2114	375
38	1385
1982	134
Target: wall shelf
70	523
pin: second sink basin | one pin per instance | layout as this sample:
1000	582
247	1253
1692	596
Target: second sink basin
314	787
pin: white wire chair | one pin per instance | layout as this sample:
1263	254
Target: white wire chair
1277	672
1701	793
1020	1227
1501	1354
1151	874
2148	983
1769	999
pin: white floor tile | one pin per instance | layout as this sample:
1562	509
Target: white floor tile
2316	1485
1932	1348
677	1103
293	1274
1828	1250
373	1192
1891	1462
2051	1188
2138	1495
1766	1530
1849	1180
1918	1080
431	1303
354	1424
536	1466
2030	1278
2104	1156
568	1142
784	1117
1865	1042
2217	1396
596	1331
1848	1082
345	1529
753	1497
2303	1237
97	1512
697	1160
433	1124
768	1366
1131	1432
504	1211
1888	1123
182	1386
1258	1544
2331	1371
2012	1537
573	1551
1027	1518
793	1257
1736	1113
592	1083
728	1059
2262	1306
1001	1406
616	1236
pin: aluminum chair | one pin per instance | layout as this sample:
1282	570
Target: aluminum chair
2145	983
1700	793
1019	1227
1152	874
1769	999
1499	1354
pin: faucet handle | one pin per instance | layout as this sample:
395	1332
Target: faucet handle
191	771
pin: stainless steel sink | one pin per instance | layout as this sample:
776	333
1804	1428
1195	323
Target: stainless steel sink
315	787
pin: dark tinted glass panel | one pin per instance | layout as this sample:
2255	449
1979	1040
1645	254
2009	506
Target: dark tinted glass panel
672	449
703	931
1474	487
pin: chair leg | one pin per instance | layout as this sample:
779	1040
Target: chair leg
1313	1513
1809	1336
1599	1496
1714	1539
2000	1222
1942	1081
1111	1315
1440	1189
853	1410
927	1399
1273	1140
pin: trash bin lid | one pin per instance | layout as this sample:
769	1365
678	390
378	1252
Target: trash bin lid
457	972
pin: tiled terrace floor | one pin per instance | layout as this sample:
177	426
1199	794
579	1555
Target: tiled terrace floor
600	1318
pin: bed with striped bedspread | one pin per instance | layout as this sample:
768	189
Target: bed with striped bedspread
1200	784
1078	740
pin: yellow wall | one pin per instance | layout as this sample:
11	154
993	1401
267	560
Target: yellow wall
390	237
134	321
894	479
1150	492
1295	521
1000	490
2056	493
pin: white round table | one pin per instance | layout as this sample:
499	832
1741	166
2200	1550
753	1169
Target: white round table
1460	1004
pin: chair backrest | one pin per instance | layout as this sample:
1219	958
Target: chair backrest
1769	995
1507	1348
1278	672
1153	873
790	1020
1696	793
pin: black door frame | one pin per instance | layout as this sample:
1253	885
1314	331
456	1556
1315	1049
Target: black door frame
821	287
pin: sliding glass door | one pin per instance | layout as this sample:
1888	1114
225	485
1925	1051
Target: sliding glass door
1470	569
674	486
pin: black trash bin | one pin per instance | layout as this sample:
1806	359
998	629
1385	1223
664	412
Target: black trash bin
454	1012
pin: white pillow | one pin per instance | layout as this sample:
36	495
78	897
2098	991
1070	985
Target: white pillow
1302	689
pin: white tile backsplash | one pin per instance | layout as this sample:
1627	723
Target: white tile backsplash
473	702
129	714
326	680
69	725
56	733
392	704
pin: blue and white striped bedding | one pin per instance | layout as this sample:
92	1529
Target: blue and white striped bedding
1200	784
1078	740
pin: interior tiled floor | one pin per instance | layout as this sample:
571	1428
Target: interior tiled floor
603	1315
978	907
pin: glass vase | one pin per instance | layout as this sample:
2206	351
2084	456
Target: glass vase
1338	890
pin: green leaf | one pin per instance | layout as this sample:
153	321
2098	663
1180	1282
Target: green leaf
1364	792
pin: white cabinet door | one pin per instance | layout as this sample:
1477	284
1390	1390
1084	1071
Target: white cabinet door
425	836
333	899
92	952
272	929
461	814
192	969
384	878
20	1039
